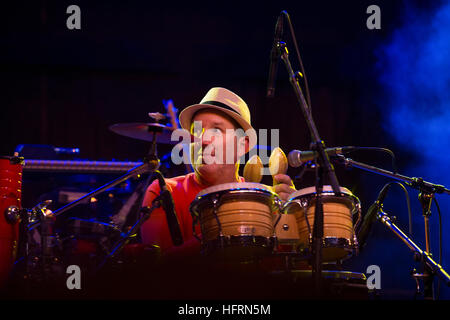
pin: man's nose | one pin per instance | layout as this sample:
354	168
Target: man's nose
206	139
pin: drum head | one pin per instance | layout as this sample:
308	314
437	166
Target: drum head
235	186
312	190
327	191
233	191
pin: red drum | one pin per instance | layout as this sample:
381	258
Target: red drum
10	195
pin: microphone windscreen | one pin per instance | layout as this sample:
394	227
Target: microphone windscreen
294	159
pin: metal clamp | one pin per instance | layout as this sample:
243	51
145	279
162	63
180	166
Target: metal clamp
12	214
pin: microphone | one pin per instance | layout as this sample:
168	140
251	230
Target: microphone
274	57
169	207
371	215
296	157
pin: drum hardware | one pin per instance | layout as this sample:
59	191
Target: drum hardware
120	218
125	238
51	263
93	229
215	202
355	242
40	248
12	214
41	244
156	133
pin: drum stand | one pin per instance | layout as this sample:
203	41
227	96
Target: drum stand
145	214
41	263
426	195
324	168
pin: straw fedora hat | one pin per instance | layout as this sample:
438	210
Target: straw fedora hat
225	101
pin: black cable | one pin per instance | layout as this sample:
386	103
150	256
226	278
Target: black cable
409	208
291	28
440	230
440	243
308	96
394	166
408	202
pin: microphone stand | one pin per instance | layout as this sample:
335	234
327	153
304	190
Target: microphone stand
431	267
427	191
324	168
425	199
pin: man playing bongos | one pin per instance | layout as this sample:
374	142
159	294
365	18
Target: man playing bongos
215	159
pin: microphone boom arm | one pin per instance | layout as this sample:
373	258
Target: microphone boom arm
417	183
428	189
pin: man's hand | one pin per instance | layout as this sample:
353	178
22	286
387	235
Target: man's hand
283	186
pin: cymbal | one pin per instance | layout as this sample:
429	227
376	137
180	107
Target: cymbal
144	131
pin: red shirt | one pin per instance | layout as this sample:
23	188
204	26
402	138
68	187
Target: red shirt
156	231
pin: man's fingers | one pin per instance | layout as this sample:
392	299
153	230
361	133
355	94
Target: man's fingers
284	196
283	188
283	178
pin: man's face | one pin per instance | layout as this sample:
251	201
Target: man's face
218	140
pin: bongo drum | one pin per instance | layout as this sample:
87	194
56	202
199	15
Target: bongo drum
236	219
10	196
341	215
